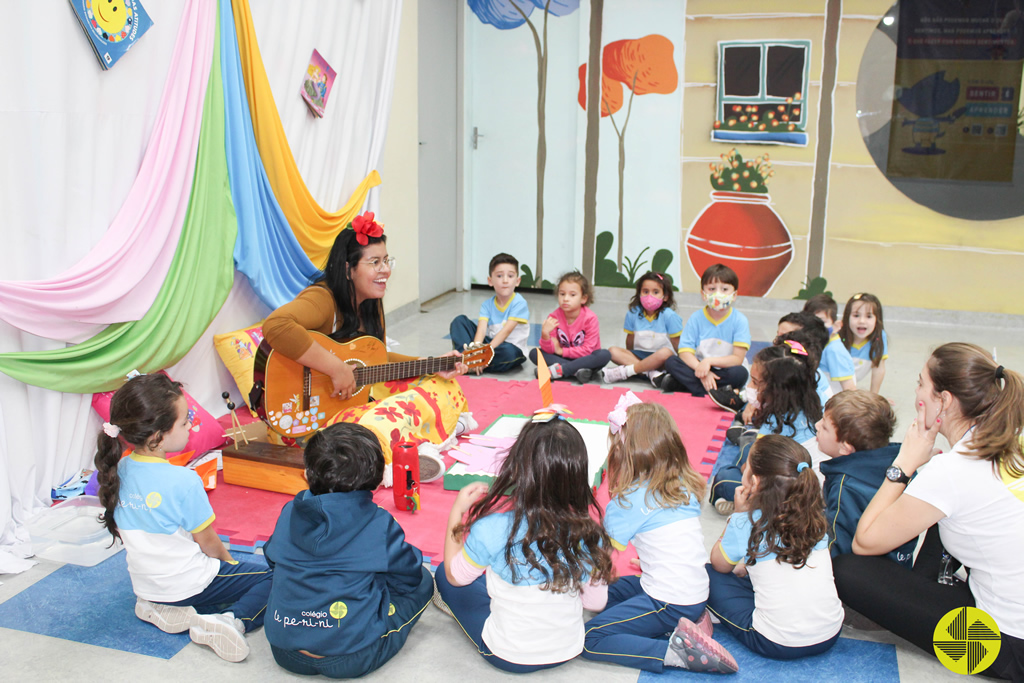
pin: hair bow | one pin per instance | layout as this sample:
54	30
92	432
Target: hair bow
796	347
549	413
111	430
365	228
617	418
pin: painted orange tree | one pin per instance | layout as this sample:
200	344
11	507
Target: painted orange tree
510	14
645	65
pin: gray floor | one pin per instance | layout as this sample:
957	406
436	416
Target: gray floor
437	649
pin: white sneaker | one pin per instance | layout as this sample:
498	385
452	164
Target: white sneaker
618	373
167	618
465	424
724	507
223	633
431	462
655	377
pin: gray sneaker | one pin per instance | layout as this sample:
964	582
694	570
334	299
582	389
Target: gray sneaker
223	633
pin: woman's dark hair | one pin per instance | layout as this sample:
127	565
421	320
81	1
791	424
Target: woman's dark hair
144	409
544	484
990	396
346	253
666	287
875	339
343	457
811	344
788	387
792	510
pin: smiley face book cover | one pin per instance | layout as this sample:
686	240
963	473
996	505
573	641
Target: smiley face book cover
113	26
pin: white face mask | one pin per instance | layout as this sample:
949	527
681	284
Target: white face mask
719	301
750	396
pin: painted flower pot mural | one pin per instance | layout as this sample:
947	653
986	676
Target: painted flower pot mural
739	228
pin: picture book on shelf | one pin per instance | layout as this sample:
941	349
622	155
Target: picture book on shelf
316	84
113	26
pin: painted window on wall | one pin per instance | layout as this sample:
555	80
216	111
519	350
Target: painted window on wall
761	87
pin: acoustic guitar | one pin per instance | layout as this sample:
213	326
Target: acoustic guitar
295	400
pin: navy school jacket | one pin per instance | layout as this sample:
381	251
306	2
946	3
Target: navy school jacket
851	481
336	559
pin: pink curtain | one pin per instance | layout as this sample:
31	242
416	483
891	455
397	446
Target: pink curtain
119	278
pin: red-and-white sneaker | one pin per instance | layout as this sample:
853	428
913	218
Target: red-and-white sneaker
690	648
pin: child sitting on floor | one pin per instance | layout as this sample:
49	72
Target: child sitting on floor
652	330
537	531
714	342
836	361
788	404
504	319
854	432
181	573
863	334
655	503
570	338
771	581
349	587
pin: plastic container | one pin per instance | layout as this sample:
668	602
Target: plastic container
71	532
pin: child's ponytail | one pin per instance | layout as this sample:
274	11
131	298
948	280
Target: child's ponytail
789	386
789	497
141	412
108	454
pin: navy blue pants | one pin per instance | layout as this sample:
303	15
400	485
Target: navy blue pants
731	599
634	628
736	376
408	609
471	605
507	356
728	472
241	588
595	361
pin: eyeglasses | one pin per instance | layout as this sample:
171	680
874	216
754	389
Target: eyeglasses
378	264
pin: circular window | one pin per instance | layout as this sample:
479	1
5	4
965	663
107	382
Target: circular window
960	198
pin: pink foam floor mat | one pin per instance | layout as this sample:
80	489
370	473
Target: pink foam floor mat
246	517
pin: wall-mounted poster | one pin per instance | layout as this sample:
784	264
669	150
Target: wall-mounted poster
761	88
957	90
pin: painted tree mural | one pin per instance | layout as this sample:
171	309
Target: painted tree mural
645	65
509	14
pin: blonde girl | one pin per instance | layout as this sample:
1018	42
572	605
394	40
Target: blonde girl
655	503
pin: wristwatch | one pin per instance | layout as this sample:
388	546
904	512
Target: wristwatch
896	475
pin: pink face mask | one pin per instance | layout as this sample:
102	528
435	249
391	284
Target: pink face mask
651	303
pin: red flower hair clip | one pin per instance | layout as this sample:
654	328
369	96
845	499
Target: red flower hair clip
365	228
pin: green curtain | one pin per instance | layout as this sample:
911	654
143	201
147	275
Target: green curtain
199	280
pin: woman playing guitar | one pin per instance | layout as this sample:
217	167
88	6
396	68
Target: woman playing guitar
346	302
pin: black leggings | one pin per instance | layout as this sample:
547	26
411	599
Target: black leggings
911	603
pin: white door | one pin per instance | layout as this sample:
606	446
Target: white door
438	181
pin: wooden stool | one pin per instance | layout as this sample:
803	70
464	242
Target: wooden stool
265	466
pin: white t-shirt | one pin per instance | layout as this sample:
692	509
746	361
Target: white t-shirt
792	607
527	625
160	507
983	528
669	544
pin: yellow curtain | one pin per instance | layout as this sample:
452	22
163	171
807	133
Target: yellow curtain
314	227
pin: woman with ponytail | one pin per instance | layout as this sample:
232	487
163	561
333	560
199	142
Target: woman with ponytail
974	492
771	572
181	572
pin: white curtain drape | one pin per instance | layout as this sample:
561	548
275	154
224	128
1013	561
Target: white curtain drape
73	139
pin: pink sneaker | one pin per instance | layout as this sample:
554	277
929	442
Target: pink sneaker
705	624
690	648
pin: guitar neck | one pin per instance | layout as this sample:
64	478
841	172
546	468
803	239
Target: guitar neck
390	372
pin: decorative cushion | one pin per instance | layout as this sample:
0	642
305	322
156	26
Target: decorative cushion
237	350
206	432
